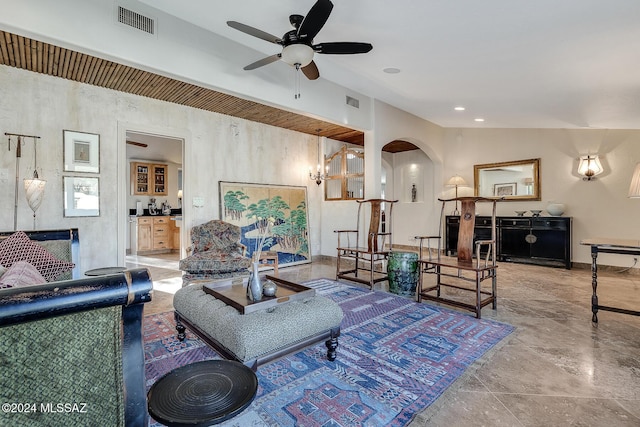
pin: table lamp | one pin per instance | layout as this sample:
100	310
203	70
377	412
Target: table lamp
456	181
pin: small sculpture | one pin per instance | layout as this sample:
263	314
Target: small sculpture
414	193
269	288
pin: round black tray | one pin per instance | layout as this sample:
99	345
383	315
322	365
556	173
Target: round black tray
202	393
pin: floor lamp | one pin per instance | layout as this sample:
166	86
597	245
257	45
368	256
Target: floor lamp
456	181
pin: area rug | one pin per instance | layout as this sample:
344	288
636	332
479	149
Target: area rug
395	358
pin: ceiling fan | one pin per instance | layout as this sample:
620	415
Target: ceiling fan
138	144
297	45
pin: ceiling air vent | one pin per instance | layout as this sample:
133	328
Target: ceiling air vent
135	20
353	102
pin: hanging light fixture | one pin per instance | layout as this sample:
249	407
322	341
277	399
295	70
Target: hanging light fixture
318	177
33	187
589	167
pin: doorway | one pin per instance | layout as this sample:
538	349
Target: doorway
154	196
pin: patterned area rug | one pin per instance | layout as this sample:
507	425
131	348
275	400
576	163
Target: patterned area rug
395	358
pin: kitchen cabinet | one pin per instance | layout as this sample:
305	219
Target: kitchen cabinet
145	234
155	234
161	236
531	240
176	234
149	179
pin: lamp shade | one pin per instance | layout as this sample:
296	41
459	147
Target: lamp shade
590	166
34	191
634	188
179	194
456	181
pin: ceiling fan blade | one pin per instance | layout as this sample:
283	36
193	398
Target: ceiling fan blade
342	48
264	61
254	32
311	71
315	19
139	144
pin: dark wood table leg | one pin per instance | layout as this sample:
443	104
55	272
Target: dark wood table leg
179	327
332	344
594	284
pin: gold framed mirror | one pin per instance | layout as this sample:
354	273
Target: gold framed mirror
516	181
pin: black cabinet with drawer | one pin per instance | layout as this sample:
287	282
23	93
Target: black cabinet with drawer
533	240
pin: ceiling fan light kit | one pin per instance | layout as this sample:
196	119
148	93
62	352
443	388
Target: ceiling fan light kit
299	55
297	45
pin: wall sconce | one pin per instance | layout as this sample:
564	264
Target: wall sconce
589	167
318	177
634	187
456	181
180	198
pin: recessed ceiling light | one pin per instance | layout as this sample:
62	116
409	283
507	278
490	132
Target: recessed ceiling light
459	108
479	119
391	70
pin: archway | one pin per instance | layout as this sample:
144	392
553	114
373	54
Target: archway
410	177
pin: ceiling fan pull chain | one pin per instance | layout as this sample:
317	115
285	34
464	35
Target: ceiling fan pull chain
297	82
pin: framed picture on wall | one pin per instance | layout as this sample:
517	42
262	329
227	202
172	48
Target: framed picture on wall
272	215
81	196
81	151
508	189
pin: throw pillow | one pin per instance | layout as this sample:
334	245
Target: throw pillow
19	274
18	247
2	271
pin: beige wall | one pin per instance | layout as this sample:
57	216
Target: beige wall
599	208
217	147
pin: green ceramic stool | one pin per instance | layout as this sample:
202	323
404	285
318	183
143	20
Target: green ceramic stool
402	268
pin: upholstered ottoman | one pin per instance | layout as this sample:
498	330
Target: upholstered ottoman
261	336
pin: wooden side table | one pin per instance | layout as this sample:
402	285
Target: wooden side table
202	393
270	258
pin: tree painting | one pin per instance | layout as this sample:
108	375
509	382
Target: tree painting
273	216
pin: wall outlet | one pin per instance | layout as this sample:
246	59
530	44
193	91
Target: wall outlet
198	202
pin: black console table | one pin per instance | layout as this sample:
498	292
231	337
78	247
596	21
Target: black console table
532	240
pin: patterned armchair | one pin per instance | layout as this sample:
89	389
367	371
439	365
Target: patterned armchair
216	252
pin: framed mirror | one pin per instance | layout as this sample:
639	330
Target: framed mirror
516	181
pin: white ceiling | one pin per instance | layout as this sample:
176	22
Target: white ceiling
159	148
535	64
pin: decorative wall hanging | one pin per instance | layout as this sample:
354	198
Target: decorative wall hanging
81	196
81	152
280	209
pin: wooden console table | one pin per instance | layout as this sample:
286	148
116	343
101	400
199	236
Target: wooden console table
609	246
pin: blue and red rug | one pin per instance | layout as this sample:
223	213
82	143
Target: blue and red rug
395	358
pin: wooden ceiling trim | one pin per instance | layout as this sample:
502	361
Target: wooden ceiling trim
37	56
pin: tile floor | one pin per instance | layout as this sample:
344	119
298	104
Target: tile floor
556	369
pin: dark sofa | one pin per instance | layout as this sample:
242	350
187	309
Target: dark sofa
71	351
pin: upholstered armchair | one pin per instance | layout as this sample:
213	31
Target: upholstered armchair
216	252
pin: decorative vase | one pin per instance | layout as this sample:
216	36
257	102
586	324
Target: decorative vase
555	209
254	287
269	288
